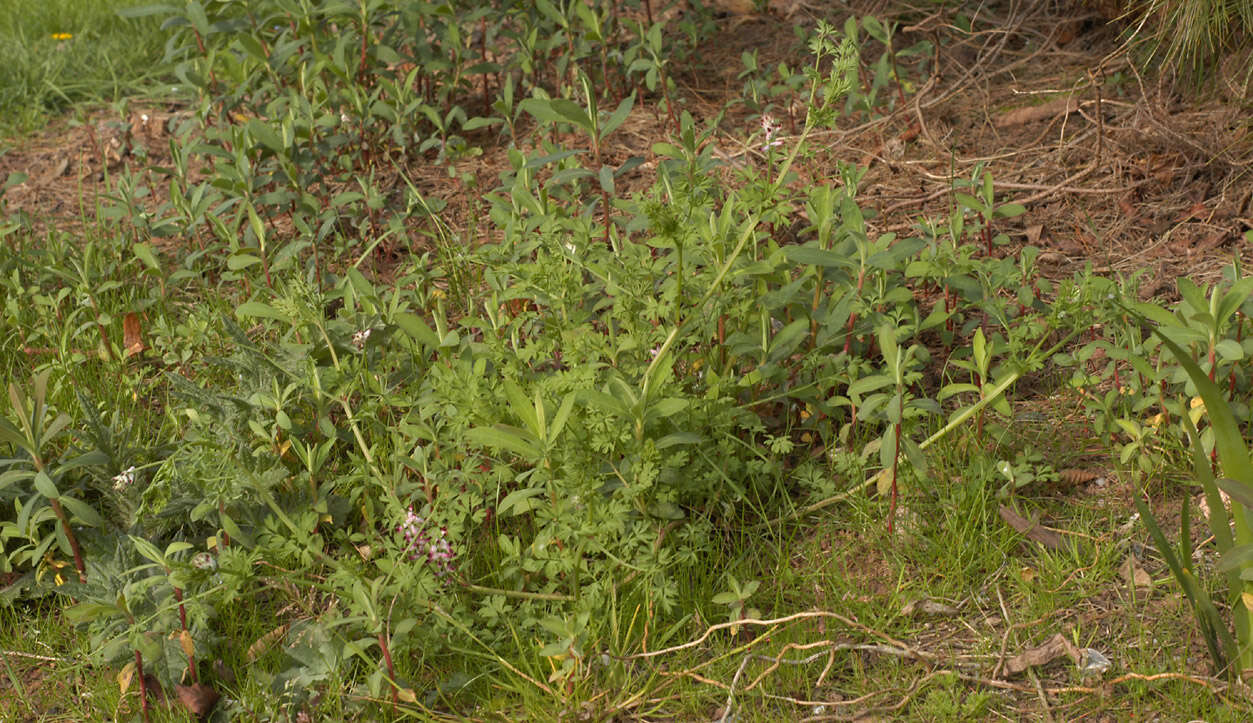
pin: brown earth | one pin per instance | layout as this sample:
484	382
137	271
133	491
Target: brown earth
1116	169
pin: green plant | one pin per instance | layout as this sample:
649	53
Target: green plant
1028	467
51	497
1233	535
372	479
736	600
898	407
588	119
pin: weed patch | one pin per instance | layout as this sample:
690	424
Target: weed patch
663	433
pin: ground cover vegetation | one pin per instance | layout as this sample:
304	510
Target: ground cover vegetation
56	55
452	360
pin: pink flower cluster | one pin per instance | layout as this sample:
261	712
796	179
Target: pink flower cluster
438	551
771	128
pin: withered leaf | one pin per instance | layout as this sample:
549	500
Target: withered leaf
1031	529
132	334
1044	111
927	606
1076	476
1135	575
263	643
198	699
125	676
1043	654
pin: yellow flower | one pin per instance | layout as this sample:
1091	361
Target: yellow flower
62	36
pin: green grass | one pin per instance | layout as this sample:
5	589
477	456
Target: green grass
951	547
48	659
105	57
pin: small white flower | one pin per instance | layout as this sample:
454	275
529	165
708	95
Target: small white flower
343	117
143	117
358	339
125	479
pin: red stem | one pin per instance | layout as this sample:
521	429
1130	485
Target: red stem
391	673
226	536
848	333
143	685
182	618
69	534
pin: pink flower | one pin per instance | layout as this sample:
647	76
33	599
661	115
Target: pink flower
437	551
770	127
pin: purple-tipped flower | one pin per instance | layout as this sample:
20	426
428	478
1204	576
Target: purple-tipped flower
125	479
771	128
436	550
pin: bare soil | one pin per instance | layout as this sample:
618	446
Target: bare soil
1116	169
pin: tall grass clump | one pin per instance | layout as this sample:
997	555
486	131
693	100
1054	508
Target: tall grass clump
57	53
1190	35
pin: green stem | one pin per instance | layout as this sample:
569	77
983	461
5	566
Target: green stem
519	594
745	235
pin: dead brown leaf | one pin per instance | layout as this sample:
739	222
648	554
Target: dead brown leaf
1075	476
927	606
198	699
263	643
1135	575
1031	529
1021	116
1043	654
1197	210
736	7
132	334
